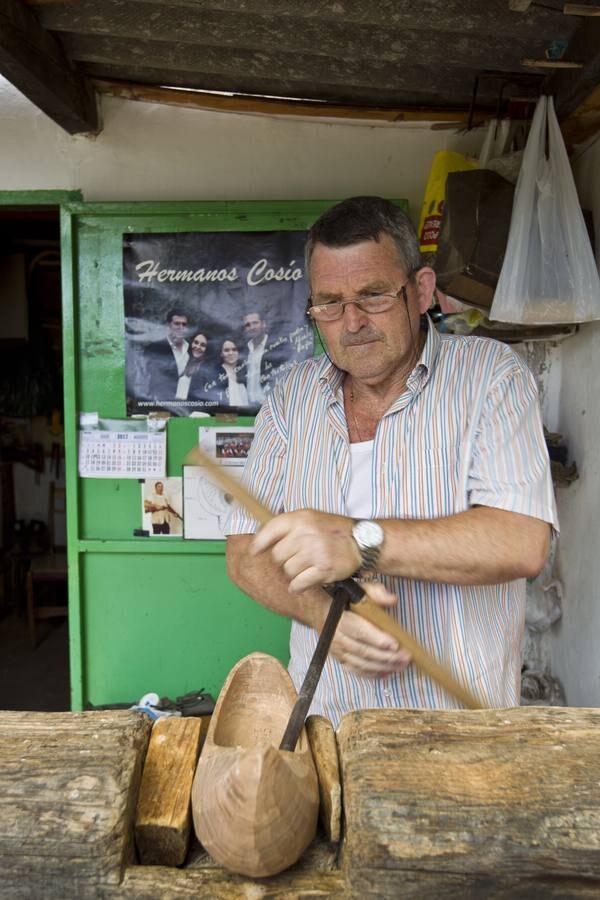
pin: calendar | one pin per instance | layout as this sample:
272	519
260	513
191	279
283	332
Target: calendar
122	454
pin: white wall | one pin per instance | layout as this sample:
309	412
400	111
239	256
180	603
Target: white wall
153	152
575	654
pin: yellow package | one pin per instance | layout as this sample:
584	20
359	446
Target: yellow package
444	162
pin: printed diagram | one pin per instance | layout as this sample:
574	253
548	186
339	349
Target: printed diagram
205	505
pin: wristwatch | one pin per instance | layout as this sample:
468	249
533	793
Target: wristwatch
369	538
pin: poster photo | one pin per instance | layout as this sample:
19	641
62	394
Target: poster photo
212	320
162	507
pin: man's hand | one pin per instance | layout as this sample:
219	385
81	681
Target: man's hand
312	548
362	647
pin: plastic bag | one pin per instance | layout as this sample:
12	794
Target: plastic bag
549	275
444	162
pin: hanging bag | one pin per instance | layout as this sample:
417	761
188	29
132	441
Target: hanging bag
549	275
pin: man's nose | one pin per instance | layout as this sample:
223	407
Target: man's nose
354	317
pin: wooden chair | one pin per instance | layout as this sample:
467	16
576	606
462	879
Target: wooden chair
49	570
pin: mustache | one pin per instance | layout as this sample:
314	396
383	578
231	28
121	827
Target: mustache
366	334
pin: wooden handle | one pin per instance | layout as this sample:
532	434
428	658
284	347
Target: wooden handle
364	608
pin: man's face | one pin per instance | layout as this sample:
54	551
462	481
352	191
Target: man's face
370	347
254	327
177	328
159	487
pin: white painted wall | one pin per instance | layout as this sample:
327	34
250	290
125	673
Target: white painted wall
575	653
153	152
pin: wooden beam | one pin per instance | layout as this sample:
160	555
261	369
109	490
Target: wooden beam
519	5
322	741
579	9
35	63
551	64
238	103
163	817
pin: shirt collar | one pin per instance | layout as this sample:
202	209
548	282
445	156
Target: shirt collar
421	373
331	378
175	348
253	348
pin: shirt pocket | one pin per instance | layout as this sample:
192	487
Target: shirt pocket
425	485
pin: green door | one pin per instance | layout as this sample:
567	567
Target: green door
144	614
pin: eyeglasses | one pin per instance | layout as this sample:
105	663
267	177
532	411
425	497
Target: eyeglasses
371	303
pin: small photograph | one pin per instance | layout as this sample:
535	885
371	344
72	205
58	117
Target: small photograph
227	446
162	507
232	444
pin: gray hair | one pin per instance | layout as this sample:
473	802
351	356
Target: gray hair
365	219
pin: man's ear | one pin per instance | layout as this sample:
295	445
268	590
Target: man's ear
425	283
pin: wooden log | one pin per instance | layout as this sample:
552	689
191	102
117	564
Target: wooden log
324	750
164	817
68	788
495	797
153	882
255	807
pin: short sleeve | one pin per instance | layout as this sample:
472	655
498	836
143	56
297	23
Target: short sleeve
263	472
510	467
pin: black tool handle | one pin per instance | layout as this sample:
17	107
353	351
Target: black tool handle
343	593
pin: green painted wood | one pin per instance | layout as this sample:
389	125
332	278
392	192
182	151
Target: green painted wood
146	614
165	622
38	198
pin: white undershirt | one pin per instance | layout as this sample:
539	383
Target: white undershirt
359	504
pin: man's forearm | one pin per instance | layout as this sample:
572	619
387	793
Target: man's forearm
265	582
480	546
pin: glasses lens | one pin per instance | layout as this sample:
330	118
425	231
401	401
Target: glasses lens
327	311
377	303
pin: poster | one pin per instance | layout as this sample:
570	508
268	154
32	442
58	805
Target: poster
212	320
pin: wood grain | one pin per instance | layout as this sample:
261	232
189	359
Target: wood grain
489	795
324	750
68	789
255	807
164	817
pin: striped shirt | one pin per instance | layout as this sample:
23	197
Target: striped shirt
465	431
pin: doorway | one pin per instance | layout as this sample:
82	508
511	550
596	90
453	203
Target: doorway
34	675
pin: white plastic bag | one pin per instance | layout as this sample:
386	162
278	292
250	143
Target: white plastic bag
549	274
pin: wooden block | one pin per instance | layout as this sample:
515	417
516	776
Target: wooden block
163	817
324	750
503	796
68	788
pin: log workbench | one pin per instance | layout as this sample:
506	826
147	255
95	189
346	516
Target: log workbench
489	803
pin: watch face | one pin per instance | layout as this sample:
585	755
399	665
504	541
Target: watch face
367	533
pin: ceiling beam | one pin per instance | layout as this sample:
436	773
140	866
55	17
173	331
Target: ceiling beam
34	62
265	106
571	87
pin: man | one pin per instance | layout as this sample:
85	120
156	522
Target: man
255	329
159	509
415	457
166	360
